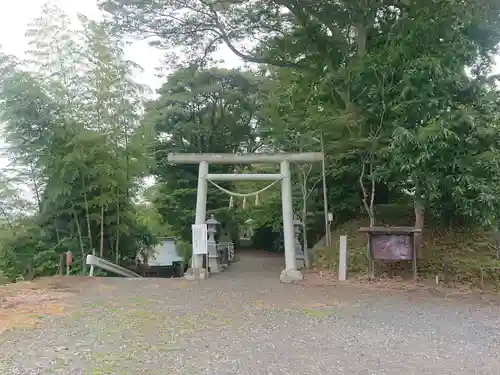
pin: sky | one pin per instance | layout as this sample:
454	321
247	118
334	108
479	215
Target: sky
15	17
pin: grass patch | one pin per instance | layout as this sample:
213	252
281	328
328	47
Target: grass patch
3	279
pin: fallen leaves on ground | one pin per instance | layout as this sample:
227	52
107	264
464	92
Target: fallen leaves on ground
24	304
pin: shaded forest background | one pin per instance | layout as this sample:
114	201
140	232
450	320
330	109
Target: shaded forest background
399	93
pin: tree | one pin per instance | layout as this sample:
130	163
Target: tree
200	110
27	114
73	124
371	68
112	109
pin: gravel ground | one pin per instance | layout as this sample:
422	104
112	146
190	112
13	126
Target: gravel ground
244	321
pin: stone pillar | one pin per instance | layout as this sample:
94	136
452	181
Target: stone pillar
230	252
290	273
299	253
213	257
196	270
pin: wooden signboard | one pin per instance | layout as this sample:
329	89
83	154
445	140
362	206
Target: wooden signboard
391	244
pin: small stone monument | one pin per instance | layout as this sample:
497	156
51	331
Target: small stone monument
299	252
230	252
213	258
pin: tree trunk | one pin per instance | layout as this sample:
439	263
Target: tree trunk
372	196
80	241
36	189
87	214
7	219
361	35
117	243
101	244
368	206
303	187
127	171
304	232
60	270
58	236
30	272
419	222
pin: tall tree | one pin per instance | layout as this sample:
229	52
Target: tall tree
199	110
112	108
71	114
377	66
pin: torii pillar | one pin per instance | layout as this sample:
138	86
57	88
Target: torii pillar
290	273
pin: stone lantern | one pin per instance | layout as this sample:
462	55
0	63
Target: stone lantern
299	252
213	259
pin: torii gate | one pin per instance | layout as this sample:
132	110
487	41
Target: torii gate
290	273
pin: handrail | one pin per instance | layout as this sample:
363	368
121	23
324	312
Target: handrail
92	261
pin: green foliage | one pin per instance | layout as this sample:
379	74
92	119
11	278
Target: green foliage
199	111
71	114
398	94
384	82
184	250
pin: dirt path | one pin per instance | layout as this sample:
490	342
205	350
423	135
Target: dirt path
244	321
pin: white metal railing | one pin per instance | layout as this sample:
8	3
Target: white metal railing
94	261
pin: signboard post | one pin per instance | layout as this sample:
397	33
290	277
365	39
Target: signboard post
200	242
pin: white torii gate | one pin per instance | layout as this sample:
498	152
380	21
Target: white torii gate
290	273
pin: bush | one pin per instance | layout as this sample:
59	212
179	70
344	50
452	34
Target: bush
184	250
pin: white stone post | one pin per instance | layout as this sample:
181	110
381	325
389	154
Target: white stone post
343	258
213	257
197	270
290	273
